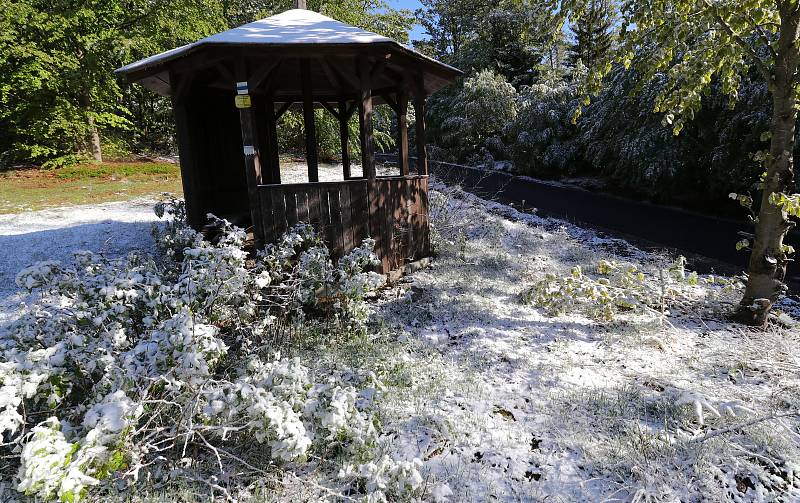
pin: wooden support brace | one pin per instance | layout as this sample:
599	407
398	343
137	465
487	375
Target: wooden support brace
402	131
308	121
365	120
327	106
252	159
419	114
282	110
273	159
344	136
262	75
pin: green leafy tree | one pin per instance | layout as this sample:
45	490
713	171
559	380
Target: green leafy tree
469	121
593	33
57	90
689	42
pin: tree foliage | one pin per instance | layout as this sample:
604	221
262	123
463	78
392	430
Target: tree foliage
593	32
57	88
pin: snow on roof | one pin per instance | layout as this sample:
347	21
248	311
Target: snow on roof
296	26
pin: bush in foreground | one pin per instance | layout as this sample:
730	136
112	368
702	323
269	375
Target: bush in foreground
159	369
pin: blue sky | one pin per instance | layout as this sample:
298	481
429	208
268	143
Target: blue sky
417	32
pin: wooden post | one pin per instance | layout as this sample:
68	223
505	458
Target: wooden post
344	135
252	155
419	113
402	131
308	121
365	119
273	159
192	194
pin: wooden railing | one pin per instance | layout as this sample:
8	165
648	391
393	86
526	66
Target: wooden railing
391	210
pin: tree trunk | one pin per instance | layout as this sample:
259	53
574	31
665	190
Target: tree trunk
767	267
94	134
94	141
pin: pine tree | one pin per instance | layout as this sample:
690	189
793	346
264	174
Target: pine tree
593	33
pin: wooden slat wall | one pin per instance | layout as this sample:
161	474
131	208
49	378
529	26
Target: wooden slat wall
393	211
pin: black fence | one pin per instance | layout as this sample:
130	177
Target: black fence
685	231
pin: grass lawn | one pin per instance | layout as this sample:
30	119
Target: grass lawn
35	189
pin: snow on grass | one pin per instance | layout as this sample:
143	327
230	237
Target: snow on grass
522	406
112	229
502	402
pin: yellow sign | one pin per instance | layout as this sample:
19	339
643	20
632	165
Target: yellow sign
242	101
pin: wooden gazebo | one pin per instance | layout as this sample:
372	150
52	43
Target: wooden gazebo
228	92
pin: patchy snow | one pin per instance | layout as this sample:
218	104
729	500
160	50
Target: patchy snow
54	234
507	403
502	402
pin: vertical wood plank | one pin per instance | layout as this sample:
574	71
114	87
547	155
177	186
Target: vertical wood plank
308	121
326	229
347	218
278	211
423	212
386	223
375	221
291	207
359	210
267	221
335	206
302	205
314	208
405	216
191	193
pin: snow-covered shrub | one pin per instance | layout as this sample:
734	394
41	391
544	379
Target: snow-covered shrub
302	275
618	287
122	367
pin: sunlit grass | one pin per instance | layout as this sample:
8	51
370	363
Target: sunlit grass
34	189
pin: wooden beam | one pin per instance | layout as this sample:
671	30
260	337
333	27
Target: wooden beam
327	106
354	82
419	114
282	110
252	159
333	79
262	75
344	137
365	119
226	74
402	131
378	68
391	102
178	89
308	121
352	107
273	158
195	208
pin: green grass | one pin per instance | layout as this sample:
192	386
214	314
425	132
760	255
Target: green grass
89	171
34	189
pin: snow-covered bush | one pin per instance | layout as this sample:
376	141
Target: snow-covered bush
618	287
120	368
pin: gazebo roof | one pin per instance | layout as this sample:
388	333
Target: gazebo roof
297	29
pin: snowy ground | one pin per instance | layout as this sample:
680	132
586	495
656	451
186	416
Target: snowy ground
503	402
514	405
54	234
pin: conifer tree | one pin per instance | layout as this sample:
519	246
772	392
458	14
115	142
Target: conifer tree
593	33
